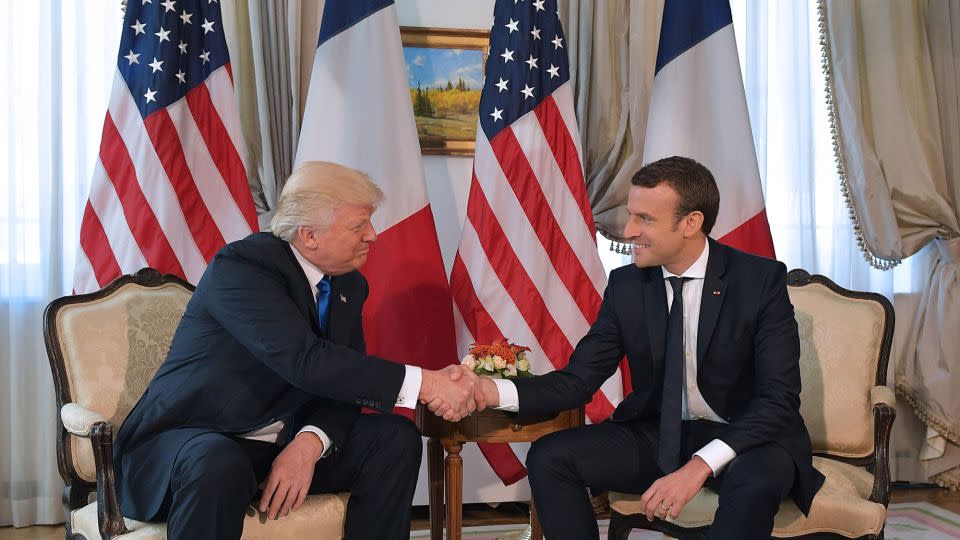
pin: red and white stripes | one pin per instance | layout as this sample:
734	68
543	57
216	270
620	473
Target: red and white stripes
169	190
527	267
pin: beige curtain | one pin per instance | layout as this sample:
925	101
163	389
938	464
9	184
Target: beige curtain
272	44
893	70
613	52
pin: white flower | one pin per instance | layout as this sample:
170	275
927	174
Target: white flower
523	364
470	361
499	362
487	363
511	370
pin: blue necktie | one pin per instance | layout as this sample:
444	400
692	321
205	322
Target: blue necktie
668	455
323	301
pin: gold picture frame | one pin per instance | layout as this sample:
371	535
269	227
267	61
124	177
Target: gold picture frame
445	72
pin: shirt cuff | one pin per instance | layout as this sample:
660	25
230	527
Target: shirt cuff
717	454
327	443
509	399
410	389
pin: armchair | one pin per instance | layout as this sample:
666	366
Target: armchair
104	348
845	340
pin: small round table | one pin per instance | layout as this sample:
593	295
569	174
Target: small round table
488	426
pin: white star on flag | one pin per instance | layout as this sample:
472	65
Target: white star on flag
502	85
527	91
207	26
557	42
532	62
539	5
183	47
512	25
162	34
535	33
185	17
149	95
497	114
138	28
205	56
182	77
132	58
507	55
554	71
156	64
168	5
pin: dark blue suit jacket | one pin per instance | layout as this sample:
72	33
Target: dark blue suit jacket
748	353
249	352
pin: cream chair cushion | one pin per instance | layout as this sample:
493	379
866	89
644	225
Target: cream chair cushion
839	349
112	347
319	518
840	507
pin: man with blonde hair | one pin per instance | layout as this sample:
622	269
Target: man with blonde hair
266	375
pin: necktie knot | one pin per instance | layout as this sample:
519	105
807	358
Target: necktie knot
677	283
323	286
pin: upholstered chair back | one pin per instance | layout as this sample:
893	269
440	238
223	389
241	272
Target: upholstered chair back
841	341
109	344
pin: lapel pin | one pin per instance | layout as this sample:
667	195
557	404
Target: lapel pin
715	293
344	298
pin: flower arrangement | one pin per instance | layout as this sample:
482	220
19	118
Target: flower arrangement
498	360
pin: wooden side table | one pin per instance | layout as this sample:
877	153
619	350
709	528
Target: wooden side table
489	426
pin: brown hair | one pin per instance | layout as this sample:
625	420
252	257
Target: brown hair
693	183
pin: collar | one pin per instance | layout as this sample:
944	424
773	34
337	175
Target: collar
314	274
697	270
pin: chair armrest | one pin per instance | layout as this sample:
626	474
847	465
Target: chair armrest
79	420
108	503
884	414
883	394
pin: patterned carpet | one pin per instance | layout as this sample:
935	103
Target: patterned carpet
905	521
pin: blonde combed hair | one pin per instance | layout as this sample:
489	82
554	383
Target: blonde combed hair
314	191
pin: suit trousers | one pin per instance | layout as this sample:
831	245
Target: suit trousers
622	456
215	478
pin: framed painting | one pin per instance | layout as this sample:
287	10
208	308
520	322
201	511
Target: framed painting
445	73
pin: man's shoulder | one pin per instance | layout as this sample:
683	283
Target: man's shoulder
261	253
738	261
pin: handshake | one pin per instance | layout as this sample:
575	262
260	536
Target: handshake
455	392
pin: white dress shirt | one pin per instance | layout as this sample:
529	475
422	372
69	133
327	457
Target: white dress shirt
409	390
717	454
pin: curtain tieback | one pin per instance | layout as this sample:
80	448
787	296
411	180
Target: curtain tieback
949	249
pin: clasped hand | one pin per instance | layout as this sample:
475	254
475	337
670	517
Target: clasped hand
452	392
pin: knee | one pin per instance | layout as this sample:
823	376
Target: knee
545	453
227	472
400	441
758	483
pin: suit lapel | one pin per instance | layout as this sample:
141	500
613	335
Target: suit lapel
340	307
655	315
303	291
714	291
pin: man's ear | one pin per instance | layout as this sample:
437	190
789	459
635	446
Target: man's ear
307	237
692	223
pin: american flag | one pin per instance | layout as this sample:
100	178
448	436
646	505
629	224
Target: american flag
170	187
527	267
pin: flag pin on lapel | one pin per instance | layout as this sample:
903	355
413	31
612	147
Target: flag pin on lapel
715	293
344	298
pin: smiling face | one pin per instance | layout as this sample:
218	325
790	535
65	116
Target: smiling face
343	245
660	236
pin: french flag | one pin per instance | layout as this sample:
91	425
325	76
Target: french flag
358	114
699	110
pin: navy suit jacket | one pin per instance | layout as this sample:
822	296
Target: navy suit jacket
748	353
247	353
